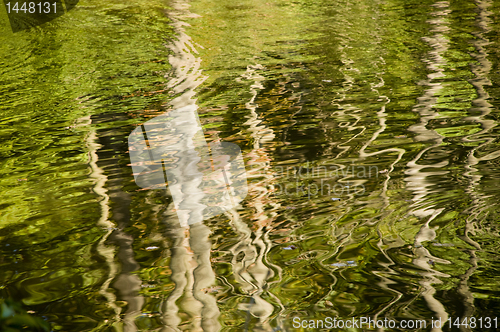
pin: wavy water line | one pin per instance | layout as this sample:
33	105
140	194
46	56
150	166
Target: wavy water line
347	85
126	283
342	111
124	280
345	235
192	272
107	252
481	71
252	273
416	179
186	73
204	277
385	281
382	118
479	205
181	258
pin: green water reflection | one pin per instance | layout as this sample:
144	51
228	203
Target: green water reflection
369	135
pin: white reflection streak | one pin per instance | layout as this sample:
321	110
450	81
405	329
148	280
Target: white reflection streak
193	275
187	73
342	108
251	272
481	71
343	111
190	252
107	252
416	178
381	115
385	282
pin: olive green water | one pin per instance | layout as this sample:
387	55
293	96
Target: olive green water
390	108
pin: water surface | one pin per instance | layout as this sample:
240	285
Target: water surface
370	140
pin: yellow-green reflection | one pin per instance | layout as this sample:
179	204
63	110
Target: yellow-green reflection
406	89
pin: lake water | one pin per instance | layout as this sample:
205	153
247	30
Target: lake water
370	140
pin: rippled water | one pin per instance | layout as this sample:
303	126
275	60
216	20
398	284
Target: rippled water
370	139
